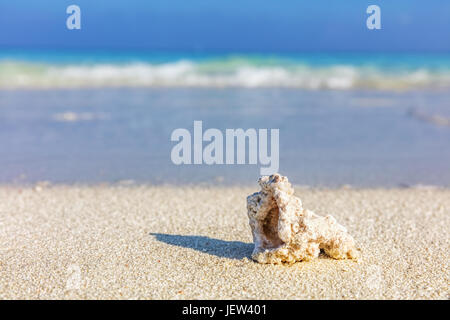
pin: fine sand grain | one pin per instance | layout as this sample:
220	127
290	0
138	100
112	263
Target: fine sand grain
195	243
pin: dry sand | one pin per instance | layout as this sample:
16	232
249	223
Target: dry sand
194	243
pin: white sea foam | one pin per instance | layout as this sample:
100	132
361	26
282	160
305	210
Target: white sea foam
76	117
186	73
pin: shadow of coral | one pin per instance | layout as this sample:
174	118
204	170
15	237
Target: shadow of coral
216	247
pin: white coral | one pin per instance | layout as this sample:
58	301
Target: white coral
285	232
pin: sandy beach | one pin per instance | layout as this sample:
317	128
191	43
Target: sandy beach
165	242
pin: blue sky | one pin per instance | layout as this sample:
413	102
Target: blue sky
227	25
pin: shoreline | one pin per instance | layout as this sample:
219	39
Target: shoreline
219	184
179	242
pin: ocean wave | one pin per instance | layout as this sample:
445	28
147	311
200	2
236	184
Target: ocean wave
186	73
435	119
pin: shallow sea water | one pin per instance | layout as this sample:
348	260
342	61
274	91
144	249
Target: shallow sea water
364	138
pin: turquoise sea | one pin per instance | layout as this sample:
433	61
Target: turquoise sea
344	118
50	69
